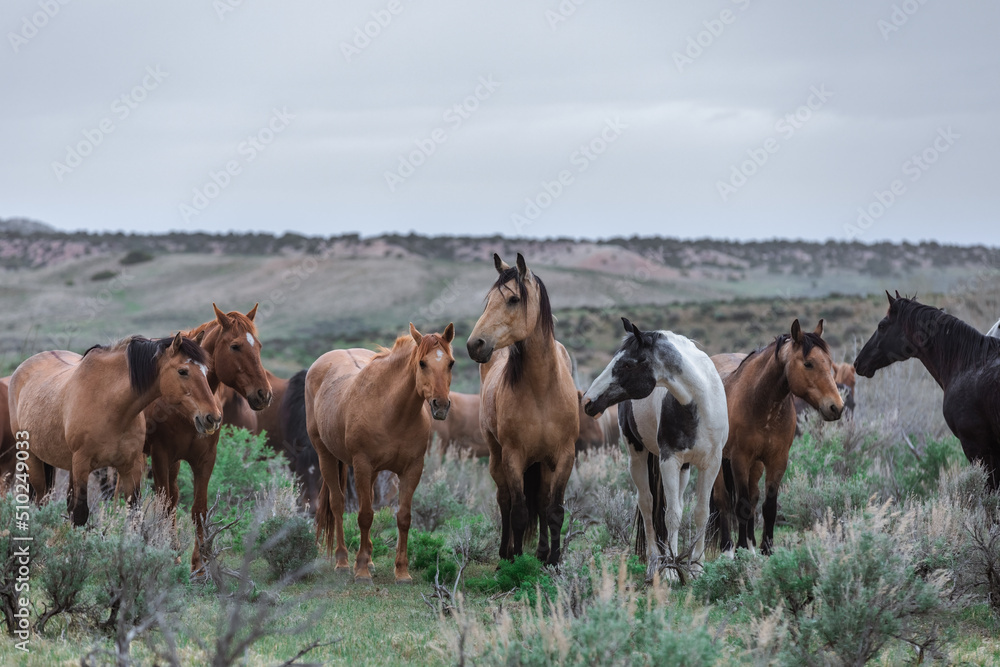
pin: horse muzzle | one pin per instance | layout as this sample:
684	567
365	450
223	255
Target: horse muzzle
591	408
831	412
479	350
259	399
207	424
439	409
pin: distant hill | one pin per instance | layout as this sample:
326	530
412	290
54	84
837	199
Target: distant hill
63	290
25	226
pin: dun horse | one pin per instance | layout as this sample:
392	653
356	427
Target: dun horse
673	414
373	411
232	350
85	412
762	424
529	408
964	362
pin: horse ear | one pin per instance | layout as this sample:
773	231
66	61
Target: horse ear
897	295
628	325
175	344
500	264
417	336
891	300
200	337
522	269
796	331
819	328
253	312
449	332
222	318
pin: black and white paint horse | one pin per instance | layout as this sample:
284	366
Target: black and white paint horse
964	362
673	411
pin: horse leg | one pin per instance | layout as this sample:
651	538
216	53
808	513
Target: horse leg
703	499
756	470
503	502
670	476
363	475
722	497
330	509
407	485
640	477
130	480
78	496
37	478
741	486
554	512
775	472
514	471
201	472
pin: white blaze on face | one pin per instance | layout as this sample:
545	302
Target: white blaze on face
440	355
250	339
603	381
203	367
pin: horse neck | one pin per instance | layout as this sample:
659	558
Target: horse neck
394	376
122	402
947	338
766	377
541	359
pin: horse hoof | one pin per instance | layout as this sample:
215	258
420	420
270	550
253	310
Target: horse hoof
404	580
362	578
729	553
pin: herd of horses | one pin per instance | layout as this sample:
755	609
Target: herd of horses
357	415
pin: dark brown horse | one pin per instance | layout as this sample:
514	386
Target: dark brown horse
964	362
762	424
232	351
530	410
86	412
373	411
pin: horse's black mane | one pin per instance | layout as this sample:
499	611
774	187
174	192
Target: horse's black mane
964	341
515	355
141	354
809	341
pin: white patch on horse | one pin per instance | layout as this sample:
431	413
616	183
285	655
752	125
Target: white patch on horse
250	338
440	355
204	369
602	382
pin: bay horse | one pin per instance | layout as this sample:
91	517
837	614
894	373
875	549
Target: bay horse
964	363
85	412
232	352
846	379
672	412
461	428
529	408
373	411
759	391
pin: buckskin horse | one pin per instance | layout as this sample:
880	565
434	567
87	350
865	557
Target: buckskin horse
232	351
84	412
672	412
373	411
529	410
964	363
759	394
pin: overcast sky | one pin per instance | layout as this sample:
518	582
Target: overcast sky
744	119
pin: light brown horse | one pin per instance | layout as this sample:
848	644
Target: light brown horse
530	409
7	450
85	412
461	428
232	350
373	411
759	390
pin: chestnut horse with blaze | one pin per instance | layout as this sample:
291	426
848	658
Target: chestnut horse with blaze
530	409
232	351
759	389
373	411
86	412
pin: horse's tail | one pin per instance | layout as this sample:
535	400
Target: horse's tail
659	506
532	487
325	533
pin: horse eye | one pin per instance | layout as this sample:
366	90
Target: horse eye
235	347
183	372
513	300
809	364
423	364
451	364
